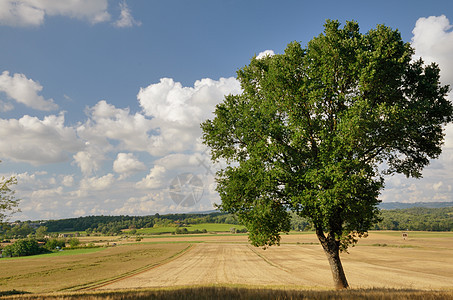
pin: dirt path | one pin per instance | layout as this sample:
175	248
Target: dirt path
298	266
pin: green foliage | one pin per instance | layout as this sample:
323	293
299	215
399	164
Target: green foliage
8	203
181	231
52	244
23	247
41	232
299	223
312	126
20	230
112	225
417	219
74	242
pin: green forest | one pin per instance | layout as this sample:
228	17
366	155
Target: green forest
413	219
111	225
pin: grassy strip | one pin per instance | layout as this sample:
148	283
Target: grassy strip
196	235
104	282
59	253
231	292
210	227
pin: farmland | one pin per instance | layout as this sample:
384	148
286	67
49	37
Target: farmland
199	227
383	260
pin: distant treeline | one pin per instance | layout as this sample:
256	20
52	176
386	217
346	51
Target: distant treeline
416	219
114	224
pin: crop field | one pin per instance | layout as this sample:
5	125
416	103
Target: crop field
75	269
379	262
209	227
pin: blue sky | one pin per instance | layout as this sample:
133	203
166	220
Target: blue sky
100	100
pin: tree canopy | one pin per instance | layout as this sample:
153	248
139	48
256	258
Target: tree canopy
315	130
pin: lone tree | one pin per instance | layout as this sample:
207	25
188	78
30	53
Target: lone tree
315	130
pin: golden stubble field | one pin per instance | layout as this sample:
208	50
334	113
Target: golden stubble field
383	260
41	274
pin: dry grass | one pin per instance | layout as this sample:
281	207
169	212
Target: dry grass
231	292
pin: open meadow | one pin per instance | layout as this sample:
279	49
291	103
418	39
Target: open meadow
381	261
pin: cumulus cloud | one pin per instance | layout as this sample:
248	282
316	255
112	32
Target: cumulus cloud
177	111
88	161
127	164
33	12
36	141
147	204
166	133
112	129
155	179
106	122
169	101
97	183
47	193
433	41
68	180
23	90
126	19
265	53
179	161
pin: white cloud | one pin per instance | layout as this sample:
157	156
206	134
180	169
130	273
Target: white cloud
126	19
36	141
438	185
68	180
169	101
33	12
89	160
147	204
177	111
126	164
23	90
179	161
113	137
5	106
155	179
156	202
46	193
108	122
433	41
97	183
265	53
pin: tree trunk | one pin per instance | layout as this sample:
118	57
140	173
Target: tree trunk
332	249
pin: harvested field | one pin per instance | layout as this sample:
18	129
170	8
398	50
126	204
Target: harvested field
381	261
40	274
